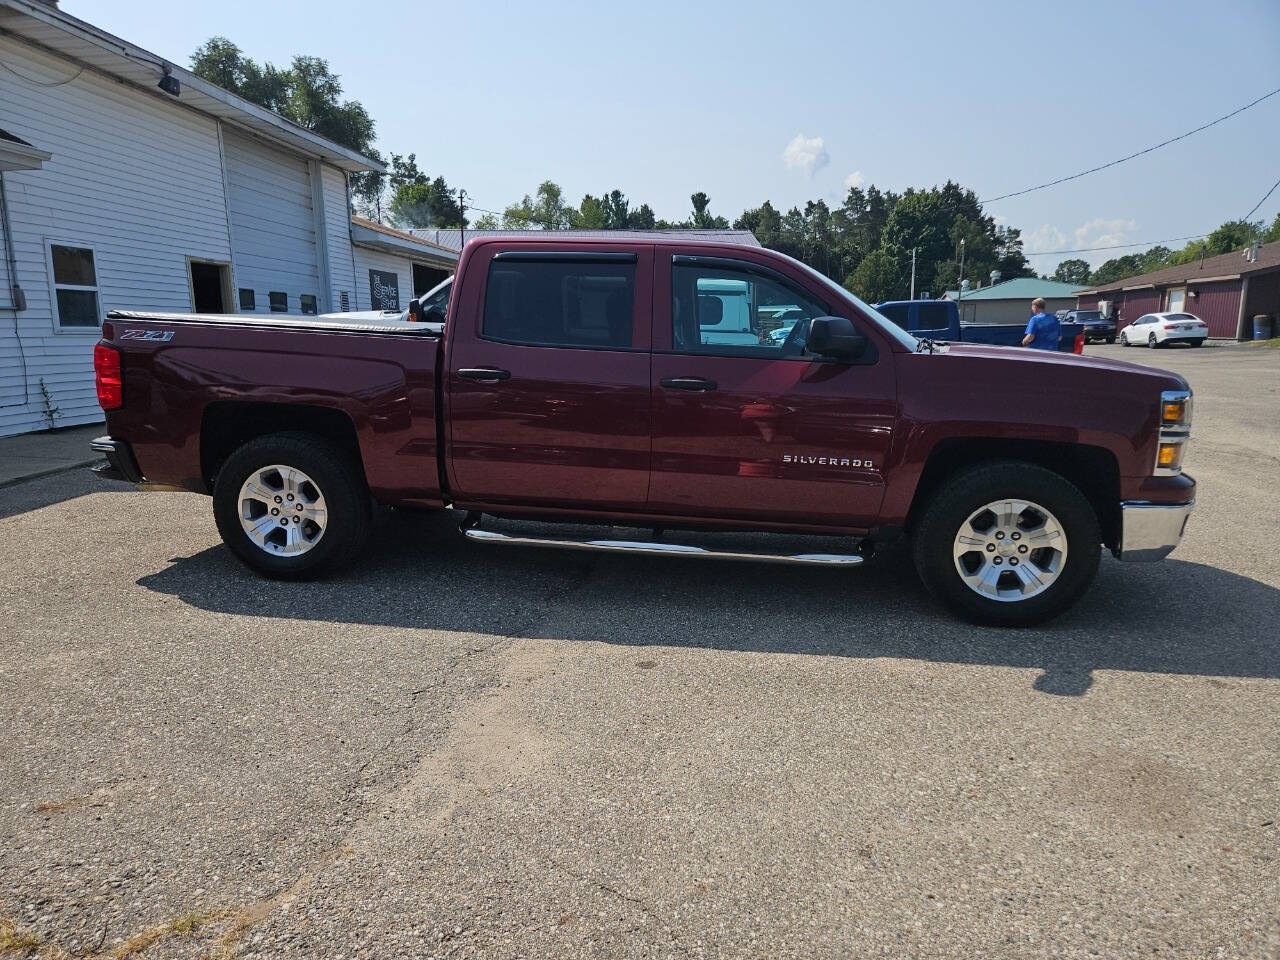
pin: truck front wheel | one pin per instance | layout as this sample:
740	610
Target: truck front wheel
1007	543
291	505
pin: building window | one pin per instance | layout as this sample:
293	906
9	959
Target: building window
1177	299
279	301
247	300
307	303
74	273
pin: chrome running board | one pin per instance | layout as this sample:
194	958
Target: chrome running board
661	549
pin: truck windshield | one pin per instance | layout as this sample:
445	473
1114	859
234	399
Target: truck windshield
887	325
1088	316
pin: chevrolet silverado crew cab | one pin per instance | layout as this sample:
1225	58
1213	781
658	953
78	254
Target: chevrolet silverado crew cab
615	383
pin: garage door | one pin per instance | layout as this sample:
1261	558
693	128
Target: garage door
272	227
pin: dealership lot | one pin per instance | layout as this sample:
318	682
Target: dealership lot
459	751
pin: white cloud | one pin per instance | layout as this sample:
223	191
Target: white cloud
806	153
855	179
1098	232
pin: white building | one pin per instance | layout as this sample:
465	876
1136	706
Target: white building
119	193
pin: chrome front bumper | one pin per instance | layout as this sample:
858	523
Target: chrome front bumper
1150	531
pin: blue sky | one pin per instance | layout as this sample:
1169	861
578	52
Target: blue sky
664	99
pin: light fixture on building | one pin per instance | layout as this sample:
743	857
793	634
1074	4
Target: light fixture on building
169	83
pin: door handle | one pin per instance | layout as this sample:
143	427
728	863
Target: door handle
700	384
484	374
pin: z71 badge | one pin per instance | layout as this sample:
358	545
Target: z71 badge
159	336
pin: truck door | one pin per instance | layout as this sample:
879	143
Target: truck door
548	377
762	431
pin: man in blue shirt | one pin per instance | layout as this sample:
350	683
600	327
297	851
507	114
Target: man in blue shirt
1043	330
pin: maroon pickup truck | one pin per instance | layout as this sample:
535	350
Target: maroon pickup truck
635	384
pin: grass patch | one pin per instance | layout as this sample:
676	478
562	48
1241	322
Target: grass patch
11	941
190	922
1273	343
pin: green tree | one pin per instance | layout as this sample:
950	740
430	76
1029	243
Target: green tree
1273	231
617	210
590	215
546	209
486	221
702	219
641	218
419	201
307	92
764	221
1072	271
876	278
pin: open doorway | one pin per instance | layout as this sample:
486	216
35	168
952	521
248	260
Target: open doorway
210	286
424	278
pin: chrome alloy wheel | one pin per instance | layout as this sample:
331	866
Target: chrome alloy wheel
1010	550
282	510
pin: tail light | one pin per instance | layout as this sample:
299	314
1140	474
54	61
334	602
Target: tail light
107	378
1078	347
1170	326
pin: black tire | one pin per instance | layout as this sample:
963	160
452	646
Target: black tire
1197	343
1152	343
339	479
1111	339
951	506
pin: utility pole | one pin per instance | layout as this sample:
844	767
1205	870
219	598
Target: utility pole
960	282
913	273
462	217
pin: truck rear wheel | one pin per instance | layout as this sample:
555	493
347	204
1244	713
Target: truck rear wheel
291	505
1008	544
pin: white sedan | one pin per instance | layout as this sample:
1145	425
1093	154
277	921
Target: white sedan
1158	329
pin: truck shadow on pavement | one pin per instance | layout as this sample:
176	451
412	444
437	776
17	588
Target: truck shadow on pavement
418	573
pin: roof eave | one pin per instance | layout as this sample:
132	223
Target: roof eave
198	94
21	156
376	240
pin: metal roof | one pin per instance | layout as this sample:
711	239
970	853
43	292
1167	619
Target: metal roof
1022	288
368	233
59	33
452	237
1225	266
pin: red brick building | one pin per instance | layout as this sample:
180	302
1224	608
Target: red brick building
1226	292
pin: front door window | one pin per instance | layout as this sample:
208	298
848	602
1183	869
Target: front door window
1177	300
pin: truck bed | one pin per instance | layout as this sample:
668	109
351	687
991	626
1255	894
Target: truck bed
191	378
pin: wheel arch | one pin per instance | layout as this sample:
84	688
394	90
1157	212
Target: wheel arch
228	425
1094	470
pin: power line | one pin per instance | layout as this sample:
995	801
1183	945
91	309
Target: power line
1114	246
41	83
1077	176
1262	201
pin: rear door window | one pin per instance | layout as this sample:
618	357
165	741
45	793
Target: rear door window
561	301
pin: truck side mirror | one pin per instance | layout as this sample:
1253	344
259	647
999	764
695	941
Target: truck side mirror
835	337
415	312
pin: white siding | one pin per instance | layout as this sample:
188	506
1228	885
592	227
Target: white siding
133	176
366	260
337	218
271	220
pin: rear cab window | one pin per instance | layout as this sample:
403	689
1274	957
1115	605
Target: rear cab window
561	299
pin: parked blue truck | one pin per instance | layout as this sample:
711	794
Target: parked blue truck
940	320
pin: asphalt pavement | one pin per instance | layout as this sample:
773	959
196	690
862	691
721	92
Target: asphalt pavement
462	751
